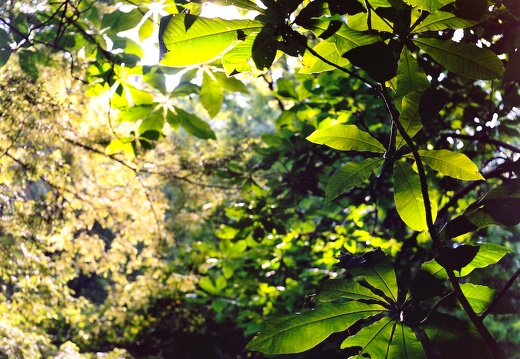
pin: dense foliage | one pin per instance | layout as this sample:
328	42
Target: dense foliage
171	179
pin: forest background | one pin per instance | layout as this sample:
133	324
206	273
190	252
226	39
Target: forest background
167	186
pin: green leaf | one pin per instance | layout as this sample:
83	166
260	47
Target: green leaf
239	58
500	206
211	94
194	125
210	38
478	296
456	165
386	338
118	21
311	64
442	20
345	38
296	333
207	284
5	54
430	5
333	289
410	77
230	83
488	254
346	138
286	88
377	269
146	29
134	113
467	60
410	117
408	197
153	122
350	175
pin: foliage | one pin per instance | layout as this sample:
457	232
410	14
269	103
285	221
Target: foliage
127	230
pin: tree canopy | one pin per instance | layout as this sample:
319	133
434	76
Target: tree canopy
234	178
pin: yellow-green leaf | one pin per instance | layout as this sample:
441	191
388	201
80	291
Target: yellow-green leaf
467	60
204	40
346	138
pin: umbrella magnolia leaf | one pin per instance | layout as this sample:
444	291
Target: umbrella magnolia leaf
350	175
343	288
203	39
346	138
387	338
295	333
456	165
408	197
441	20
467	60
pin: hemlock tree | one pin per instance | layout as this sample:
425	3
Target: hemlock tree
412	109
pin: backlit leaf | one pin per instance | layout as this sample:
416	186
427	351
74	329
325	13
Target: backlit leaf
211	94
346	138
488	254
295	333
442	20
456	165
500	206
386	338
408	197
467	60
410	117
350	175
478	296
333	289
203	41
194	125
410	77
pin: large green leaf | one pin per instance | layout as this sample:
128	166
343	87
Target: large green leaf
153	122
346	138
193	124
410	117
377	269
204	40
350	175
410	77
295	333
467	60
386	338
344	288
345	38
442	20
118	21
478	296
456	165
430	5
211	94
500	206
488	254
408	197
